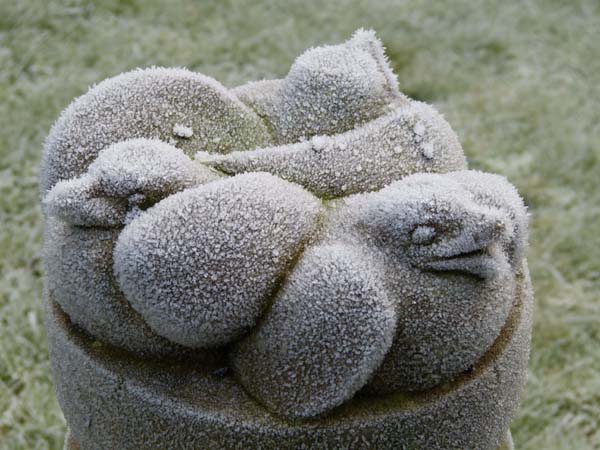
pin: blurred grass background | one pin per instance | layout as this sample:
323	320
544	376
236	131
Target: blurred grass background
518	81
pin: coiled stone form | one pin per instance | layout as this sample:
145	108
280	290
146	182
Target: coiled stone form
295	263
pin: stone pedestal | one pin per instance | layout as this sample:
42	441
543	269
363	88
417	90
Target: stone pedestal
111	401
71	444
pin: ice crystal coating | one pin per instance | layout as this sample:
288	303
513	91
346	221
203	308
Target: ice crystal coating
363	159
333	89
149	103
86	215
496	192
447	254
260	96
79	273
327	239
429	250
125	175
326	333
79	202
182	131
201	265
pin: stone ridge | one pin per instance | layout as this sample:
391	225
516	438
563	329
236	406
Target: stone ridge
411	138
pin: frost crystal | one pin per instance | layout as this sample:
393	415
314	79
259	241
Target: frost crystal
182	131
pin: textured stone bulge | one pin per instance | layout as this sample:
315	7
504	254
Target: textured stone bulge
81	232
496	192
261	97
443	328
332	89
201	265
441	255
188	109
444	255
329	328
342	125
125	177
79	273
112	401
411	138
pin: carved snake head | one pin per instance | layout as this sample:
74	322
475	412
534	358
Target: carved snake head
441	223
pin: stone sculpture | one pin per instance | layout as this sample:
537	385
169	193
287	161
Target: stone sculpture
295	263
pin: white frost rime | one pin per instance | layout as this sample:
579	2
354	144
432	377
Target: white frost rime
321	233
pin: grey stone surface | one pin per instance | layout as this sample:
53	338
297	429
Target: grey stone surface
334	88
113	401
328	330
341	124
86	216
124	177
79	271
71	444
201	265
261	97
411	138
149	103
450	288
325	273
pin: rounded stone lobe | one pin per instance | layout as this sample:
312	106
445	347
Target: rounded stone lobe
327	331
201	265
149	103
123	178
332	89
446	252
79	273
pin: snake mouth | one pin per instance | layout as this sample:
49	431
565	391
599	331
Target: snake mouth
483	262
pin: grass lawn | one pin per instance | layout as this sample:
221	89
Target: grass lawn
518	81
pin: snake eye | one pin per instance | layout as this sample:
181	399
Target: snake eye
423	235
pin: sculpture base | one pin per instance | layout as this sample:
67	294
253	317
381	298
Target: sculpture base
113	400
71	443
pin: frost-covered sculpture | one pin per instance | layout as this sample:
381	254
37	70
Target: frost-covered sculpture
296	263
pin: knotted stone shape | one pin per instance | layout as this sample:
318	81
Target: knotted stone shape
295	263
